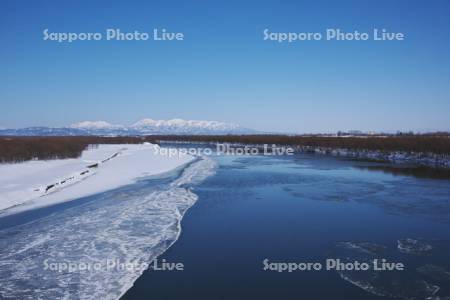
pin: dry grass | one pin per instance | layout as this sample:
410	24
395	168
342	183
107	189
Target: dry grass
17	149
409	143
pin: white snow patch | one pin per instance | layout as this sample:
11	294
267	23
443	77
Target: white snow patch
34	184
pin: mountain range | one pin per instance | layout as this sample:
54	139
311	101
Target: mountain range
142	127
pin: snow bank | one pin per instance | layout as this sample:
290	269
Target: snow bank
131	226
40	183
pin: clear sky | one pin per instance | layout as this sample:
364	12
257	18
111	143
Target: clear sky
224	70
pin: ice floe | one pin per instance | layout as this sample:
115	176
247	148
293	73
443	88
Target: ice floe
418	280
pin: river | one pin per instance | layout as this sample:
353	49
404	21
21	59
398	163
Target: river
245	210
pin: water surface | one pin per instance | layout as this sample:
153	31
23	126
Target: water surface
302	208
299	209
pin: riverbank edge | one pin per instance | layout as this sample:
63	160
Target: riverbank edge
431	160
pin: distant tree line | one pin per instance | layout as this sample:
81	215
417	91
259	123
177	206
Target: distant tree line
438	144
17	149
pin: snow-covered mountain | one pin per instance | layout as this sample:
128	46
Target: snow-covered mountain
179	126
95	125
142	127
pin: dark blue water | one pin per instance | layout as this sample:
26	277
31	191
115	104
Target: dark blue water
295	209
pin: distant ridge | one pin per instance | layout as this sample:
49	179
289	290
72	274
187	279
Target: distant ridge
141	127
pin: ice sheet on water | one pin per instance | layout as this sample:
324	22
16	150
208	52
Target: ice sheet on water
135	224
366	248
416	281
413	246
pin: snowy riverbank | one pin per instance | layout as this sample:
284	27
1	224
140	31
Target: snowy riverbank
398	157
432	160
34	184
98	248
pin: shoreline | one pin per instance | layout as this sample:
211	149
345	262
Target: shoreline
147	218
35	184
431	160
177	183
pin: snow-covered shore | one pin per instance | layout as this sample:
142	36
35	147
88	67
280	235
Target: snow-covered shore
35	184
107	242
432	160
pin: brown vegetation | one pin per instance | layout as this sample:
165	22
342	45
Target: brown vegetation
409	143
16	149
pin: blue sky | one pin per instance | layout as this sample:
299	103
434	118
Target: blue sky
224	70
